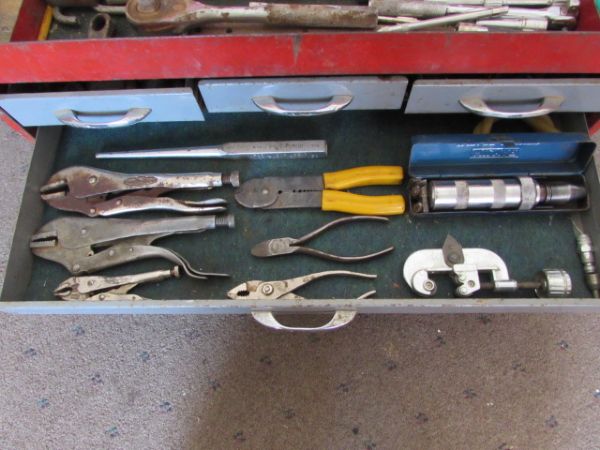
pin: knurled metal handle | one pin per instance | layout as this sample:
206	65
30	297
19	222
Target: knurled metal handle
72	118
270	104
480	107
339	319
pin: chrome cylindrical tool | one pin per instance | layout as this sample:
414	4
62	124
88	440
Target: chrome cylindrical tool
547	283
515	24
469	27
446	20
558	15
585	249
511	193
411	8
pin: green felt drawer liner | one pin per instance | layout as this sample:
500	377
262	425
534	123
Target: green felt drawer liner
528	243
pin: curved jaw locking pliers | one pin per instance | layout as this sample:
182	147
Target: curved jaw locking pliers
96	192
88	245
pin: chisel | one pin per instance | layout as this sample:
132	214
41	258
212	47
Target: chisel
231	150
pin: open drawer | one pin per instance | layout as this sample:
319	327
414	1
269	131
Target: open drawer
276	52
528	243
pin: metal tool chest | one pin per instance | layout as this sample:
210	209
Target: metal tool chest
381	90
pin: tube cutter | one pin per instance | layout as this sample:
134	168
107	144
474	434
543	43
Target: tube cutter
464	267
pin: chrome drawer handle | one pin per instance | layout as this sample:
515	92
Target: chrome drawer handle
339	319
478	106
71	118
269	104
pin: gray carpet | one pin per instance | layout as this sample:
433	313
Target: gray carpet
422	382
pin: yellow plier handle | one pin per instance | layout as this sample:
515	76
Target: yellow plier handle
363	176
367	205
372	205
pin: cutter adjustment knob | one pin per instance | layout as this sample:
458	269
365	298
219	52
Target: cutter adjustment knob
553	283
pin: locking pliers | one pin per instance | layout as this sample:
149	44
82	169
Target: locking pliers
88	245
109	288
96	192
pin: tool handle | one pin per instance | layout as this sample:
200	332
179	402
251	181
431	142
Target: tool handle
410	8
375	205
272	105
479	106
318	16
342	259
363	176
75	119
288	286
139	203
335	223
170	181
339	319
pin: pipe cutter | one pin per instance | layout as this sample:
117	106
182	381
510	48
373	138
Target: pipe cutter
464	267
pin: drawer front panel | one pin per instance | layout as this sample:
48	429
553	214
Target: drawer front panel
497	98
305	96
108	108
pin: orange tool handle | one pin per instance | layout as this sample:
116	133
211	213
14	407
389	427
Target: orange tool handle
363	176
368	205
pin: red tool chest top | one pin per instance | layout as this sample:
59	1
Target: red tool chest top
284	54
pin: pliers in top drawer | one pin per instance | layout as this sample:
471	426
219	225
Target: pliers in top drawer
325	191
96	192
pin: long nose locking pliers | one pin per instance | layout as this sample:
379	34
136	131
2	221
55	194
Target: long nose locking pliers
85	245
287	245
284	289
96	192
109	288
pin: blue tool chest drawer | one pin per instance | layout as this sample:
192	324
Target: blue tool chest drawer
527	243
102	108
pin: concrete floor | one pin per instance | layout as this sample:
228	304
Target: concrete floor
436	382
8	15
